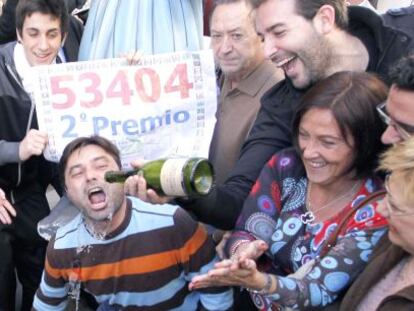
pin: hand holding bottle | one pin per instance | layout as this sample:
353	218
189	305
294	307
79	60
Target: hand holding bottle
175	177
136	186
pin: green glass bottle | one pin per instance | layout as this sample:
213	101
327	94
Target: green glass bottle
178	177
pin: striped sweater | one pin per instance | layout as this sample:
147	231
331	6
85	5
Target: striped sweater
145	264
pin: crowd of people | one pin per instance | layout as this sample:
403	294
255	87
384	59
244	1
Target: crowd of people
312	146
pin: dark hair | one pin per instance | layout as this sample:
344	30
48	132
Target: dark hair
55	8
216	3
352	98
402	73
81	142
309	8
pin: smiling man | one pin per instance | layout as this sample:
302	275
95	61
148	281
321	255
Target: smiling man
309	40
41	27
121	250
398	110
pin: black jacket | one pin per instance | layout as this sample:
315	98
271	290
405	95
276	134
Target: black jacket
271	131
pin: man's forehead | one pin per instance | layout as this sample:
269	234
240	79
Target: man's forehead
275	13
41	21
86	154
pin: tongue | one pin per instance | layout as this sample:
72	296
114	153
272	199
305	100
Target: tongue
289	65
97	197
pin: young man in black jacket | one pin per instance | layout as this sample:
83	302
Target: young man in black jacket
309	40
42	26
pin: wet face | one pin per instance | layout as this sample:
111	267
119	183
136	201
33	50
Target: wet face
399	213
236	46
87	188
400	109
41	38
325	153
292	42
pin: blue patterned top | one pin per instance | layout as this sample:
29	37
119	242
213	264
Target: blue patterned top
273	211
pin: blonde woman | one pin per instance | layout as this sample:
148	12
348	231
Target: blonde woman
387	283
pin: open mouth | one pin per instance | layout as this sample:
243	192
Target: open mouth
284	62
97	197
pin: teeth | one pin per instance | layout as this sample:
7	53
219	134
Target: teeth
284	61
316	164
93	190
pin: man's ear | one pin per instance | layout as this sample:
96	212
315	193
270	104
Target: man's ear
324	20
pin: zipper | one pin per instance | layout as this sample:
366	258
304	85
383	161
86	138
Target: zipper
19	165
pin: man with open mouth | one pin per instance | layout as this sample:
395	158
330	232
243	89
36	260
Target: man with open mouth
120	249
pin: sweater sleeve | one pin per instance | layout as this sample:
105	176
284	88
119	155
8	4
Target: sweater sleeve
53	290
198	256
330	276
9	152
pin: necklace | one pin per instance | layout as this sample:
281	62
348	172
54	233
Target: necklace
309	216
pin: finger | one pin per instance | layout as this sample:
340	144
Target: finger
137	163
137	57
9	208
142	188
132	185
4	217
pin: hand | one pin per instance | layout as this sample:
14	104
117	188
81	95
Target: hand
32	144
136	186
250	250
133	57
242	272
221	246
6	209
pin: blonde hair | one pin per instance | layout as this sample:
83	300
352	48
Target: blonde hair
399	160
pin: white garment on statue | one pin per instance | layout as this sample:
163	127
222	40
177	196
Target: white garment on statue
116	27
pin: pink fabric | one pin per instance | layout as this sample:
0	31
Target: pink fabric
402	275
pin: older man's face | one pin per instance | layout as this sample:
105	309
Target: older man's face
400	109
237	48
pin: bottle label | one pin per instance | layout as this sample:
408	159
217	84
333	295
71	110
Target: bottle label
171	177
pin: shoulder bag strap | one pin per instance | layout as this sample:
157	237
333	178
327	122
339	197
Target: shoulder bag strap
331	241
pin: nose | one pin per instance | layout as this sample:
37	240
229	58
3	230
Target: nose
309	149
226	45
90	174
269	47
382	208
43	43
391	136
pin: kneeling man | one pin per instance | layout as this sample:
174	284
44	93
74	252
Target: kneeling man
127	253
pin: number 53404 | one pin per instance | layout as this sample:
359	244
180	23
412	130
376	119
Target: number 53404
146	84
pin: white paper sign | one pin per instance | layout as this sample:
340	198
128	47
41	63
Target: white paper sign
162	107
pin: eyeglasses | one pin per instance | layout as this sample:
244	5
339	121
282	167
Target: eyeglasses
392	208
406	131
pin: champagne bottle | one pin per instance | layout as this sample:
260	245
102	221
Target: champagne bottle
179	177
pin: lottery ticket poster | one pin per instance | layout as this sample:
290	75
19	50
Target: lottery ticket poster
164	106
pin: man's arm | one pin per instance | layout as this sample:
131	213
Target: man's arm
271	132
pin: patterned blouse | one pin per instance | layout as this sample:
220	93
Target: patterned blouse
272	212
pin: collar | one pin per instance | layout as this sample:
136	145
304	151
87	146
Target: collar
253	82
22	65
125	222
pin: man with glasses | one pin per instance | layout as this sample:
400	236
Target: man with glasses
398	110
